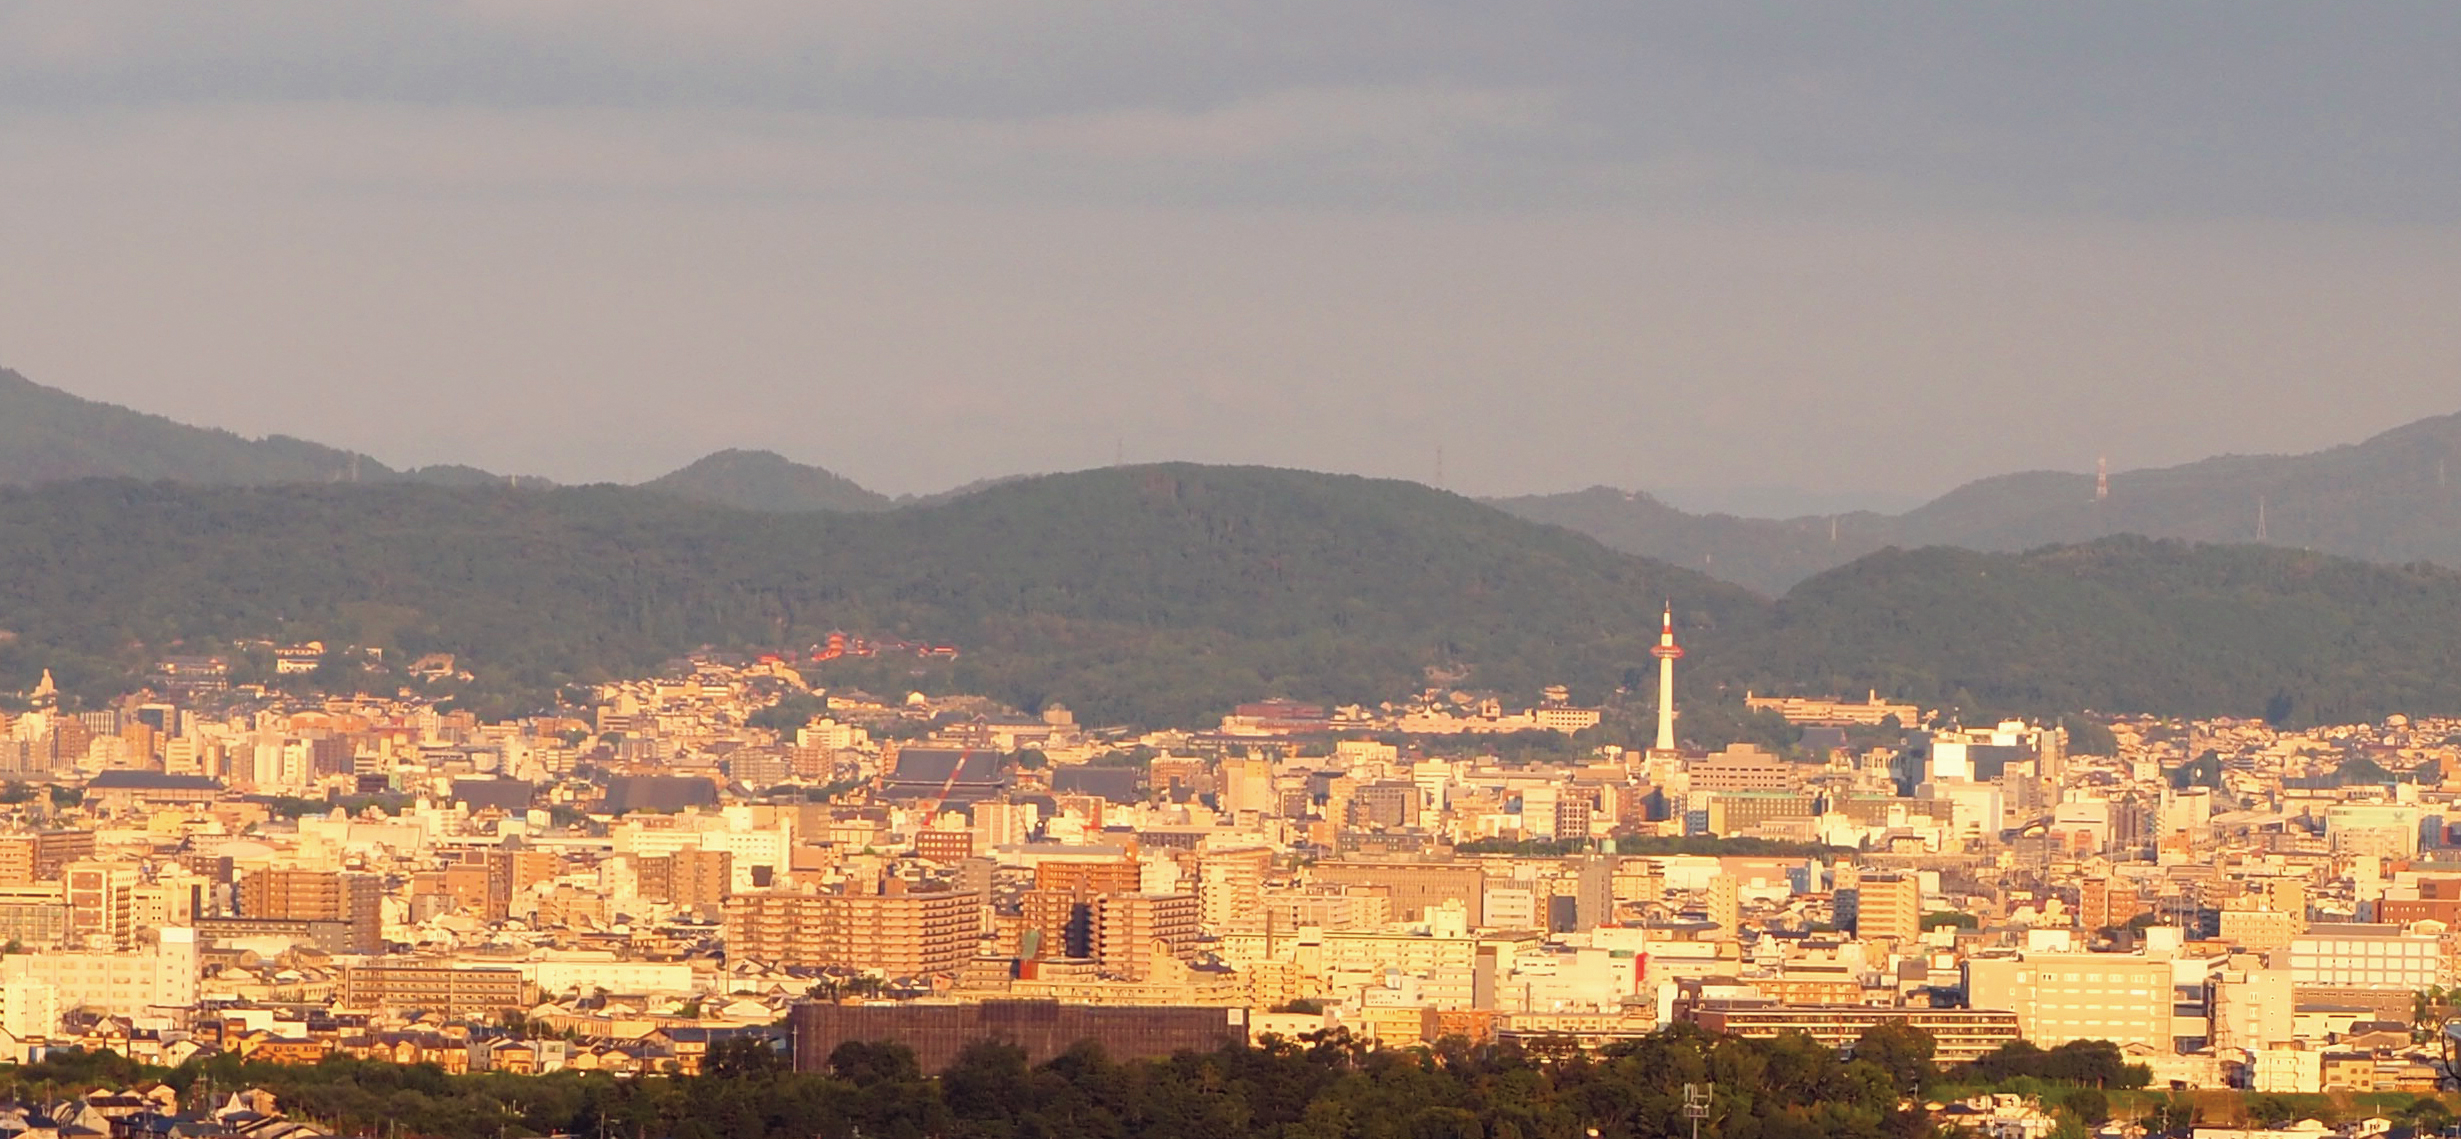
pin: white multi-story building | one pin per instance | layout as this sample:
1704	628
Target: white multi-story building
143	982
2353	956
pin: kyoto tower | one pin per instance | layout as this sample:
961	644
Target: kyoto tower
1667	652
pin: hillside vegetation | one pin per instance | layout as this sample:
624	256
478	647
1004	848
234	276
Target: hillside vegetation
1165	594
2126	624
1148	594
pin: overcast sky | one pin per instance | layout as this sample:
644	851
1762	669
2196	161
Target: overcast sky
1870	250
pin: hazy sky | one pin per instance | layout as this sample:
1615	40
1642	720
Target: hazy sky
1874	249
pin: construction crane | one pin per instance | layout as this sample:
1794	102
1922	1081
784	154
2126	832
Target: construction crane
950	784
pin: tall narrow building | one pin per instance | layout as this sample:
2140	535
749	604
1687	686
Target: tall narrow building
1667	652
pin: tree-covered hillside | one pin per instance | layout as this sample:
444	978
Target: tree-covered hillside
1165	594
2127	624
1155	594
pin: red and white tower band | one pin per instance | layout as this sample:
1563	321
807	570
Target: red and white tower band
1667	652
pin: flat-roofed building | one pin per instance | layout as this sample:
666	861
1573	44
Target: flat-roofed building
409	983
2059	997
1883	906
1127	928
34	916
894	933
1413	886
2259	929
1957	1034
356	900
1741	767
1044	1029
1739	812
42	855
2349	955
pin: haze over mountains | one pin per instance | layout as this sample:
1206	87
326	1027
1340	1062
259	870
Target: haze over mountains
48	435
2393	498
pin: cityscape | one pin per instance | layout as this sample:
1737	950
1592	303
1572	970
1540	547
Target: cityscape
1110	570
725	851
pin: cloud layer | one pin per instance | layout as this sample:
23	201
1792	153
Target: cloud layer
1886	247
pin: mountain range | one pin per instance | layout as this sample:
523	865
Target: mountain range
1163	594
2394	498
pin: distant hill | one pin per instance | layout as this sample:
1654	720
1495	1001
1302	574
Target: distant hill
1165	594
2394	498
2126	624
766	480
47	435
1766	555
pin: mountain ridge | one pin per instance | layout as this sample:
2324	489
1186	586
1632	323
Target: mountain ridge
1163	595
766	481
2392	498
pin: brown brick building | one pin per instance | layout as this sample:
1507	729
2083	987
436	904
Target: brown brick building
356	900
690	878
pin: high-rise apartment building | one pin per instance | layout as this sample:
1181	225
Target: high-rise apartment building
1246	784
101	904
895	933
1230	886
484	881
1886	906
1726	905
1090	876
1129	929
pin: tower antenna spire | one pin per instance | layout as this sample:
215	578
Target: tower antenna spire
1667	652
2102	478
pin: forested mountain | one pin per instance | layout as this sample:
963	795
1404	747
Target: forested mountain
47	434
766	480
1164	594
2394	498
1152	594
2125	624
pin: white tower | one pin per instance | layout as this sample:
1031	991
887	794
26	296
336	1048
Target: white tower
1667	652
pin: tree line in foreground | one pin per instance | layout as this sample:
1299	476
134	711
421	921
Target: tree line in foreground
1326	1086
